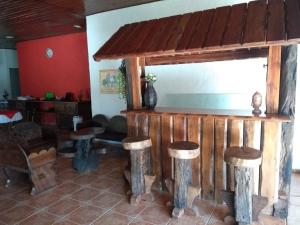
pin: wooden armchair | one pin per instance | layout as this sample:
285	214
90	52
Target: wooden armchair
28	152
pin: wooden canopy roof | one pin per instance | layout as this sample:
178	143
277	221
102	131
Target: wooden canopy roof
252	25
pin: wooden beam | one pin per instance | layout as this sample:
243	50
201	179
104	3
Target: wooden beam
273	79
286	107
134	85
207	57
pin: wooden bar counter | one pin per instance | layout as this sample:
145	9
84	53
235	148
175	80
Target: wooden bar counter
214	131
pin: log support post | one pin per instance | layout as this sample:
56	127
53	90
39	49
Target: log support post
139	178
182	189
287	98
133	72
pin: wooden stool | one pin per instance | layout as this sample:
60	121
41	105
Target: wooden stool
184	192
244	159
140	181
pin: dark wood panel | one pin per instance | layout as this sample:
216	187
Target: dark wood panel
235	25
178	32
194	135
207	155
276	21
256	22
155	135
217	28
207	57
292	19
191	27
220	166
199	36
180	131
167	137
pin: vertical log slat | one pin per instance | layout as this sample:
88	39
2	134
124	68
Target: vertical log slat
207	155
220	165
194	123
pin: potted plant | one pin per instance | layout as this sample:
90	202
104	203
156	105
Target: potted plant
150	96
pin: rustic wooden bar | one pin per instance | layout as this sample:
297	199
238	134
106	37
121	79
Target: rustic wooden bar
214	131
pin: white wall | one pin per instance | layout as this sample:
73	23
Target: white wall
100	28
8	59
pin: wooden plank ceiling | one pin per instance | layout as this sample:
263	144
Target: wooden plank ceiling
32	19
257	24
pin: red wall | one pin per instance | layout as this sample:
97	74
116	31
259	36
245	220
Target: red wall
66	71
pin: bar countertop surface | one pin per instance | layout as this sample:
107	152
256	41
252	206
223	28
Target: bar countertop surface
220	113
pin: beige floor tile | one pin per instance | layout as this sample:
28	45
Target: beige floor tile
85	194
107	200
63	207
270	220
85	214
113	218
140	222
6	204
156	214
14	215
43	199
84	179
64	222
188	220
125	208
103	183
67	188
41	218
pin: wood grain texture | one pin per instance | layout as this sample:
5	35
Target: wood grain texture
273	79
220	166
134	83
132	126
243	194
235	25
155	134
200	34
194	135
276	21
207	158
287	100
217	27
190	28
252	134
167	137
270	163
292	19
207	57
143	124
235	138
255	23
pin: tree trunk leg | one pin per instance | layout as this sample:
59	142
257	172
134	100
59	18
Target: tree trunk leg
137	175
243	195
183	178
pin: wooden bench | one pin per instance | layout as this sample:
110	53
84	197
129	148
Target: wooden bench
27	152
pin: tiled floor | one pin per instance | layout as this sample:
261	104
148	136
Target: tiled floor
99	198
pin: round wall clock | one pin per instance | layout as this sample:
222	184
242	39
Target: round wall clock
49	53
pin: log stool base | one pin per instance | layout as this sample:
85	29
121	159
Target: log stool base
240	202
140	182
181	189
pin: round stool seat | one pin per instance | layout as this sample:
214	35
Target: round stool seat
183	150
242	156
136	143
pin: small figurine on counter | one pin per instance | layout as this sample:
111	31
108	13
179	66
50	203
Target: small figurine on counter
256	103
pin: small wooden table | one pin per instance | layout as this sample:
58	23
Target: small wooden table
85	160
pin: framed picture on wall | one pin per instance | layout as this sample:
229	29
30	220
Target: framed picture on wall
109	81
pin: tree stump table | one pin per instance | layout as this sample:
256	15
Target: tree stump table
85	160
140	181
183	191
244	160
